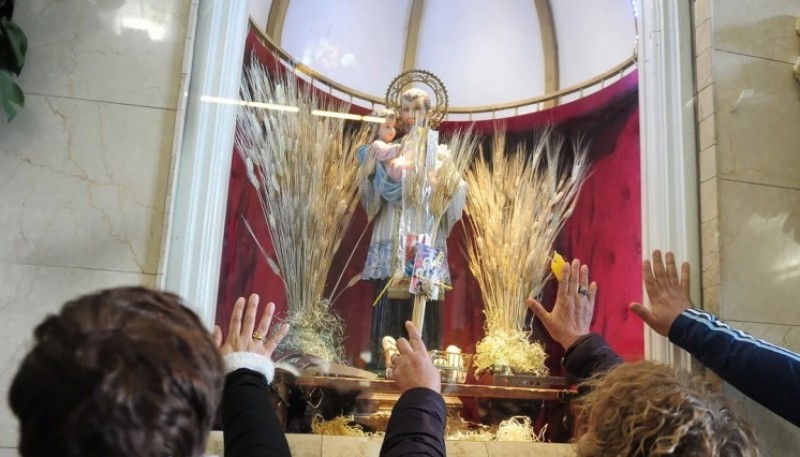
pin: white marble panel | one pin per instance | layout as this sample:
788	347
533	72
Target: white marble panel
702	36
703	67
702	11
758	138
27	294
776	436
350	446
466	449
117	51
763	28
705	104
787	336
84	184
215	445
707	164
759	238
506	449
708	200
305	445
711	299
301	445
8	452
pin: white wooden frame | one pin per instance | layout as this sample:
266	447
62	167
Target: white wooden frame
670	215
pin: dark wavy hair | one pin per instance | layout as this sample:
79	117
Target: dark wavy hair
645	409
122	372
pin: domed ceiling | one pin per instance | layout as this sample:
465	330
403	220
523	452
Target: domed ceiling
486	53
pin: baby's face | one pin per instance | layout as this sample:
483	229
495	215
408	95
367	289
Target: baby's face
410	109
387	131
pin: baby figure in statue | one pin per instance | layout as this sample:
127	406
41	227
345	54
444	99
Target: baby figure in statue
381	148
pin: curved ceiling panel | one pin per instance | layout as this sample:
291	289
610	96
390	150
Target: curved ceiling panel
484	52
593	37
358	43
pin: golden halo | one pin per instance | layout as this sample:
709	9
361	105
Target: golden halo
404	80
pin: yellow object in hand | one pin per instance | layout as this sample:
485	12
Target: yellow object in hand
557	265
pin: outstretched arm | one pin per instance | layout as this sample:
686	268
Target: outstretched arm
766	373
250	425
569	321
416	426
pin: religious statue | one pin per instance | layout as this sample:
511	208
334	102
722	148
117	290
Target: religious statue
416	195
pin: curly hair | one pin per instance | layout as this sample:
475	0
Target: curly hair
123	372
644	409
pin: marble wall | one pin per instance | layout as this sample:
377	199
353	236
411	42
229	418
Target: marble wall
345	446
748	109
84	167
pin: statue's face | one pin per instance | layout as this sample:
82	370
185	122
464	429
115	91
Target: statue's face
409	110
387	131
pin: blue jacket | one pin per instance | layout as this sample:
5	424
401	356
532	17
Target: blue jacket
766	373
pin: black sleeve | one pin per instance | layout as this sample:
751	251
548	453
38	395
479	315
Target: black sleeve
250	426
588	356
416	426
766	373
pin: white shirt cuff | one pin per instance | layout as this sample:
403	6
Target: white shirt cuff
252	361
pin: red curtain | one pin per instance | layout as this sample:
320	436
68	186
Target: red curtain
604	232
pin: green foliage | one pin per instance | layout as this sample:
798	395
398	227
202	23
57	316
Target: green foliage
13	46
11	96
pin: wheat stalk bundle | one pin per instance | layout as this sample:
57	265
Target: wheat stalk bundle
304	170
430	185
517	204
452	165
432	182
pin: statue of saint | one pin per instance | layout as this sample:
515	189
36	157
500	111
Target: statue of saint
396	228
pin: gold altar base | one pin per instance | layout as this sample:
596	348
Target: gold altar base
525	380
375	398
387	386
373	409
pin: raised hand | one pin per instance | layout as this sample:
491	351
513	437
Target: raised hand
572	313
413	366
244	336
669	295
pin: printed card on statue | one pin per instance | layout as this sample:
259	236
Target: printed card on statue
410	243
428	271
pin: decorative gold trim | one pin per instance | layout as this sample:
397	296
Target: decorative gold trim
276	19
406	79
601	80
412	34
547	29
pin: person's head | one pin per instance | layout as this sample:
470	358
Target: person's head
645	409
414	105
385	131
125	372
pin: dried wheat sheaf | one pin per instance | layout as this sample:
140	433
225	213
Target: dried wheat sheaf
304	170
517	203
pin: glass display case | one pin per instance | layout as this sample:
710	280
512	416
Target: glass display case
603	229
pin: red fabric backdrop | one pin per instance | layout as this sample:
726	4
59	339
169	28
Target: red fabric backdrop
604	232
